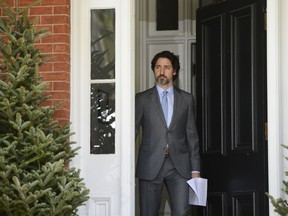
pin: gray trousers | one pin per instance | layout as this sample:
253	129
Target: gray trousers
150	192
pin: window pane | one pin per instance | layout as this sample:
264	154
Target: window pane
167	15
103	44
102	140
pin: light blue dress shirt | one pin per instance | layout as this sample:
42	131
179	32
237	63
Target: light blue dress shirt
170	98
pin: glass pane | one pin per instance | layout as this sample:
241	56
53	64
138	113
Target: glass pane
103	44
165	22
102	140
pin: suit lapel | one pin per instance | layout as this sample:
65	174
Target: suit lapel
176	106
156	103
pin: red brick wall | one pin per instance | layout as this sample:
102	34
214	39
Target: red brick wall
54	15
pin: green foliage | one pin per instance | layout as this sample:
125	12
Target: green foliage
280	204
34	149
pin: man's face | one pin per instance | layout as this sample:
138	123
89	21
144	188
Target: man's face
164	72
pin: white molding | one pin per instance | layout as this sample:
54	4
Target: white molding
75	78
127	107
275	167
124	197
100	206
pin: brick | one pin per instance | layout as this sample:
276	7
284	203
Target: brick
45	48
61	48
62	95
64	122
32	18
51	76
65	105
61	57
60	114
46	20
41	10
61	28
25	2
62	10
46	67
48	27
64	86
56	2
10	2
54	19
57	38
61	66
61	103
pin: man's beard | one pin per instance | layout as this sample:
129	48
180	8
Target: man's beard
162	80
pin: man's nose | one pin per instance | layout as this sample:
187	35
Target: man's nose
161	71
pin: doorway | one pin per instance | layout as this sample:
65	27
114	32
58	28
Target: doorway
226	105
179	38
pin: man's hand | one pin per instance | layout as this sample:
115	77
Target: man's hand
196	175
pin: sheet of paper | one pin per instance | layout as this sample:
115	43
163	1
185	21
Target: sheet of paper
197	191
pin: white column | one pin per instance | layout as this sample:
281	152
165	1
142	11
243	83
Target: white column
127	64
283	38
274	99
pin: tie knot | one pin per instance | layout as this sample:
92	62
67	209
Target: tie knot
164	94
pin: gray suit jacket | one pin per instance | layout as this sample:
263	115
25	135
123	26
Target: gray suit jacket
181	136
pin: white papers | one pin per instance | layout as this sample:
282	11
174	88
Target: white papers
197	191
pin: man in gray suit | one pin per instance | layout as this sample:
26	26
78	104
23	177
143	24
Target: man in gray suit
169	150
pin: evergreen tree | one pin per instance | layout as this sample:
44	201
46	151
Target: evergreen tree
35	149
280	204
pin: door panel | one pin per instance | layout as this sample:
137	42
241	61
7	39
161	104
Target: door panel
212	76
231	108
243	78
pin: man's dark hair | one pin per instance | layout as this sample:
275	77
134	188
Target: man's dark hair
169	55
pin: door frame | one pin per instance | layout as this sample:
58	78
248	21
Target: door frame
126	91
275	167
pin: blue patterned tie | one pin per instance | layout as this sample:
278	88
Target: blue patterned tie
165	105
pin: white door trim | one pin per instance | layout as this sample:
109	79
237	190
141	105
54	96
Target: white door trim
127	110
275	167
125	101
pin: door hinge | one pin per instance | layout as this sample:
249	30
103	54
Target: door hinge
266	131
265	20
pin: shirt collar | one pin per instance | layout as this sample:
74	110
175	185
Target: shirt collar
161	90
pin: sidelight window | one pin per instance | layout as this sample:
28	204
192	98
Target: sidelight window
102	82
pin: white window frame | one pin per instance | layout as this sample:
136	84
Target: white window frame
275	168
126	95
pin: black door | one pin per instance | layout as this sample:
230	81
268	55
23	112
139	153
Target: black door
231	106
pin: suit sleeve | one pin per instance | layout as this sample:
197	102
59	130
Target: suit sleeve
138	114
192	138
